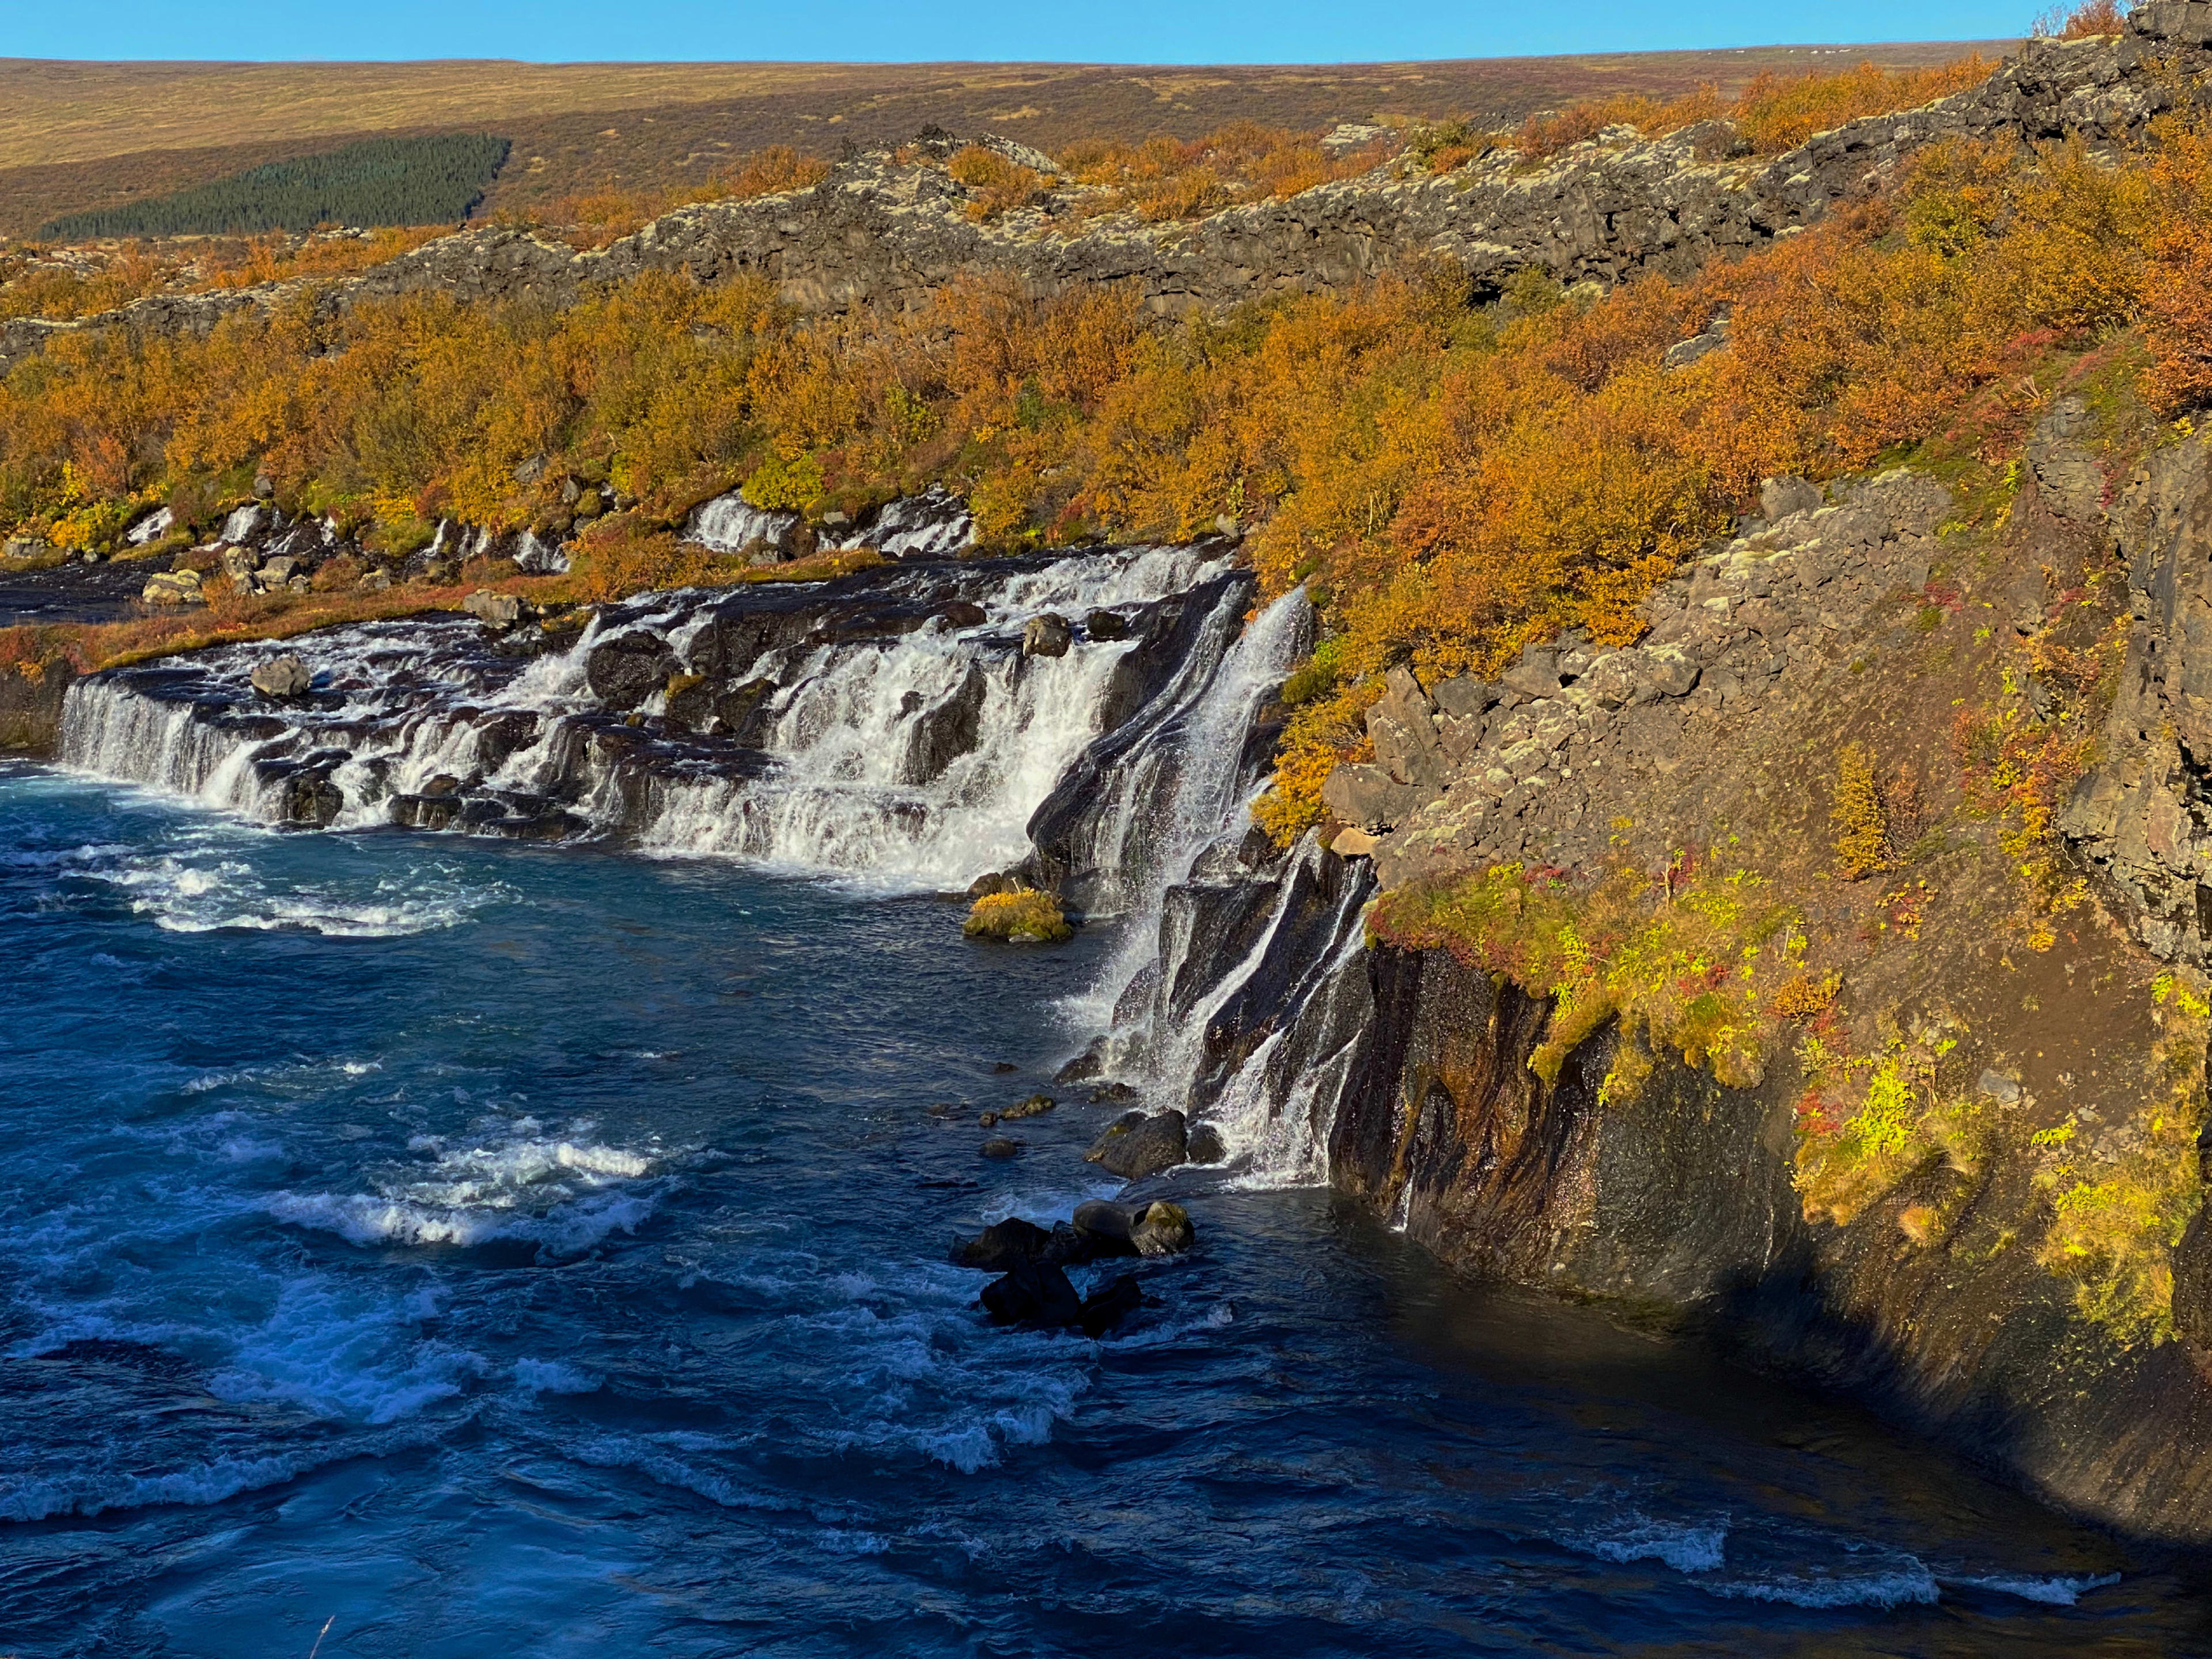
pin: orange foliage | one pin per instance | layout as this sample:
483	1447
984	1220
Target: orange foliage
1165	178
1774	113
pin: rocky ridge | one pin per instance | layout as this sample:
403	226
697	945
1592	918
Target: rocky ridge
888	228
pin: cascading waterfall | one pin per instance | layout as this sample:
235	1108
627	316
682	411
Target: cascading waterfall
906	739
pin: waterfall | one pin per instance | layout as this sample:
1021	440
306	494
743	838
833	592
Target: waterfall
903	738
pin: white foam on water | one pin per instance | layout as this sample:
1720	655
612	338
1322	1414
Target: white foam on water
89	1493
550	1376
201	892
327	1346
1686	1547
1903	1586
2056	1591
562	1196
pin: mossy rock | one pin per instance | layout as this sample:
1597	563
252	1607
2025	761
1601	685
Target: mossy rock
1023	918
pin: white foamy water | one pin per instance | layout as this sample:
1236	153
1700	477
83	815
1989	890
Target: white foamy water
912	761
518	1188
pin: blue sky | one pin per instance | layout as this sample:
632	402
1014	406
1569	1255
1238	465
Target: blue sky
1130	30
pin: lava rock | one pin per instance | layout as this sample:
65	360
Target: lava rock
1137	1145
998	1247
1105	1310
1033	1293
1048	635
1103	1227
282	677
998	1146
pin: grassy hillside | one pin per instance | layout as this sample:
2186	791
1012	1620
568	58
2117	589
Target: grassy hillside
79	138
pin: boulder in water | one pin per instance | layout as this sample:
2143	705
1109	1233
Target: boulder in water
1205	1145
1106	625
1105	1311
1112	1094
1000	1245
1000	1147
1164	1229
1159	1227
1033	1293
1048	635
1035	1106
962	613
1136	1145
282	677
1022	918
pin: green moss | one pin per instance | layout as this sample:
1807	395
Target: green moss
1023	918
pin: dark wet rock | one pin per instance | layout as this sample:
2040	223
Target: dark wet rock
1002	1067
1088	1064
1112	1094
1106	1310
1104	1226
943	734
1205	1144
1000	1245
987	1120
1106	625
944	1108
282	677
963	613
1033	1293
1035	1106
624	671
1163	1229
1048	635
1137	1145
998	1146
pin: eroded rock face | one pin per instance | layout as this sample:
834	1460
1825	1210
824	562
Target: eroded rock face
1474	774
2142	816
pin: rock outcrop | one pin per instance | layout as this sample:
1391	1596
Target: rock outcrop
1535	767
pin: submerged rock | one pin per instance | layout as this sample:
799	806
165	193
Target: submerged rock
998	1146
1137	1145
1035	1106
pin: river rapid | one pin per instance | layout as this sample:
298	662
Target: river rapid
492	1249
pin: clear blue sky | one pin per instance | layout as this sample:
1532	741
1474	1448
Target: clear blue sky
1124	31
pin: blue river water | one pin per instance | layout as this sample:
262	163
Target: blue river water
467	1248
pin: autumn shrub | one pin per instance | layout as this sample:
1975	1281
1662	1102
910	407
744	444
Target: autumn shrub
1772	114
1165	178
774	171
1861	824
1000	183
1027	917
